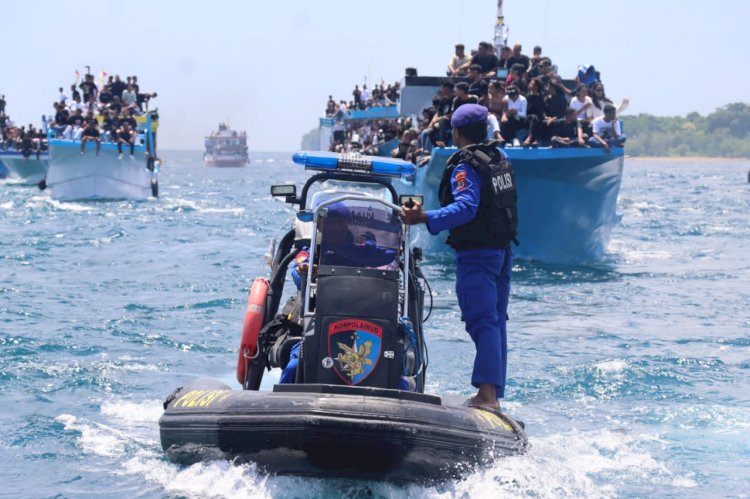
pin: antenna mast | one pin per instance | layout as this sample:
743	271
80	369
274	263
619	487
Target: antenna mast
501	31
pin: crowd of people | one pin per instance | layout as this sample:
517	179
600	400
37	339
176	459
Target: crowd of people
528	102
382	95
28	140
367	136
529	105
88	114
93	114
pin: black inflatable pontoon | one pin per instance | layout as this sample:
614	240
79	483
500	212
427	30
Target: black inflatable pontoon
329	430
360	337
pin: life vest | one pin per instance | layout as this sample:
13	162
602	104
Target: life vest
496	222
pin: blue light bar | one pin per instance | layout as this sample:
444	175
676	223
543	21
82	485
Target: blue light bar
353	162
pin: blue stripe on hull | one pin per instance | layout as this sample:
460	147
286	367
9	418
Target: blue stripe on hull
567	200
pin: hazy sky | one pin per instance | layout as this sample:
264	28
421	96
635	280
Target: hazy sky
268	67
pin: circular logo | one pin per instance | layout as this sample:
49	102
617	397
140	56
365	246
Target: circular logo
327	362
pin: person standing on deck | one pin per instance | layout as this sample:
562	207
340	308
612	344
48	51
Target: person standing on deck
478	198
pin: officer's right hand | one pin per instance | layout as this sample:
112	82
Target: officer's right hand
414	215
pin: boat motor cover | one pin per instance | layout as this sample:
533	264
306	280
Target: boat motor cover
356	339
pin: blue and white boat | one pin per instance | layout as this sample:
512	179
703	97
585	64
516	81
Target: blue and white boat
567	197
30	170
108	176
567	200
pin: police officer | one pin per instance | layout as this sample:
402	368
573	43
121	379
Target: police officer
478	209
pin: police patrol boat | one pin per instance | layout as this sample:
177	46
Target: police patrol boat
356	407
110	175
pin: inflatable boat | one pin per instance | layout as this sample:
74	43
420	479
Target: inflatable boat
350	343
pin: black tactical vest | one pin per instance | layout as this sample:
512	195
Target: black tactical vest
496	222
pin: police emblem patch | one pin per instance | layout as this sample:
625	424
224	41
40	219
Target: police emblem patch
354	345
461	182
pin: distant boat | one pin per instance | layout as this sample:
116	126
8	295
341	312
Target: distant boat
108	176
226	147
31	170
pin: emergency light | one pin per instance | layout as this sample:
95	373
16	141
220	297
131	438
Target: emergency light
353	162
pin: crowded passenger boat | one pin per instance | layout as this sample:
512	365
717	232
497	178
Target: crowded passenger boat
226	147
91	133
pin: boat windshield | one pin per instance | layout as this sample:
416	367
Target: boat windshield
356	233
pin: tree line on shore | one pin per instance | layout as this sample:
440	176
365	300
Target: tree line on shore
723	133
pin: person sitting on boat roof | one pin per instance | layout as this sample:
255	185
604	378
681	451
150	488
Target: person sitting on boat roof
583	104
486	58
91	134
519	58
105	95
605	130
75	126
517	78
461	90
91	107
127	136
536	57
535	114
514	119
74	92
459	59
600	99
477	86
76	104
567	132
129	97
505	55
117	87
439	127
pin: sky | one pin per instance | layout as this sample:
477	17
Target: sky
268	66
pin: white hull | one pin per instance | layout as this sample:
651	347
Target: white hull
74	177
31	171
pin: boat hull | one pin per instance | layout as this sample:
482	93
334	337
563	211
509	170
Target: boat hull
567	201
226	162
335	431
74	177
30	171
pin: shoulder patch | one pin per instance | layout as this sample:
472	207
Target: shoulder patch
461	182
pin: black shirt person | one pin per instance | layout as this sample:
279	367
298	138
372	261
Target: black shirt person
91	134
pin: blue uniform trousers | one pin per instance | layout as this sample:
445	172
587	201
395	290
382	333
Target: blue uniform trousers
483	289
289	373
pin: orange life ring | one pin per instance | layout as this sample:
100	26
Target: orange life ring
256	307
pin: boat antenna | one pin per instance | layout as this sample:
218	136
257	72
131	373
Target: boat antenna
501	31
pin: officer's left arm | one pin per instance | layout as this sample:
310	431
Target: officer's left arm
466	185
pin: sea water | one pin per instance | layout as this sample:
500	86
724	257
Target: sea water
632	375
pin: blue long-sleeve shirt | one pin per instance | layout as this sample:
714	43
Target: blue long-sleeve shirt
466	185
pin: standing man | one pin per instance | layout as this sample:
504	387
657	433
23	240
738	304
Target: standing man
478	198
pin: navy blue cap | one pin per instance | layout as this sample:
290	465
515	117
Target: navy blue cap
468	114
